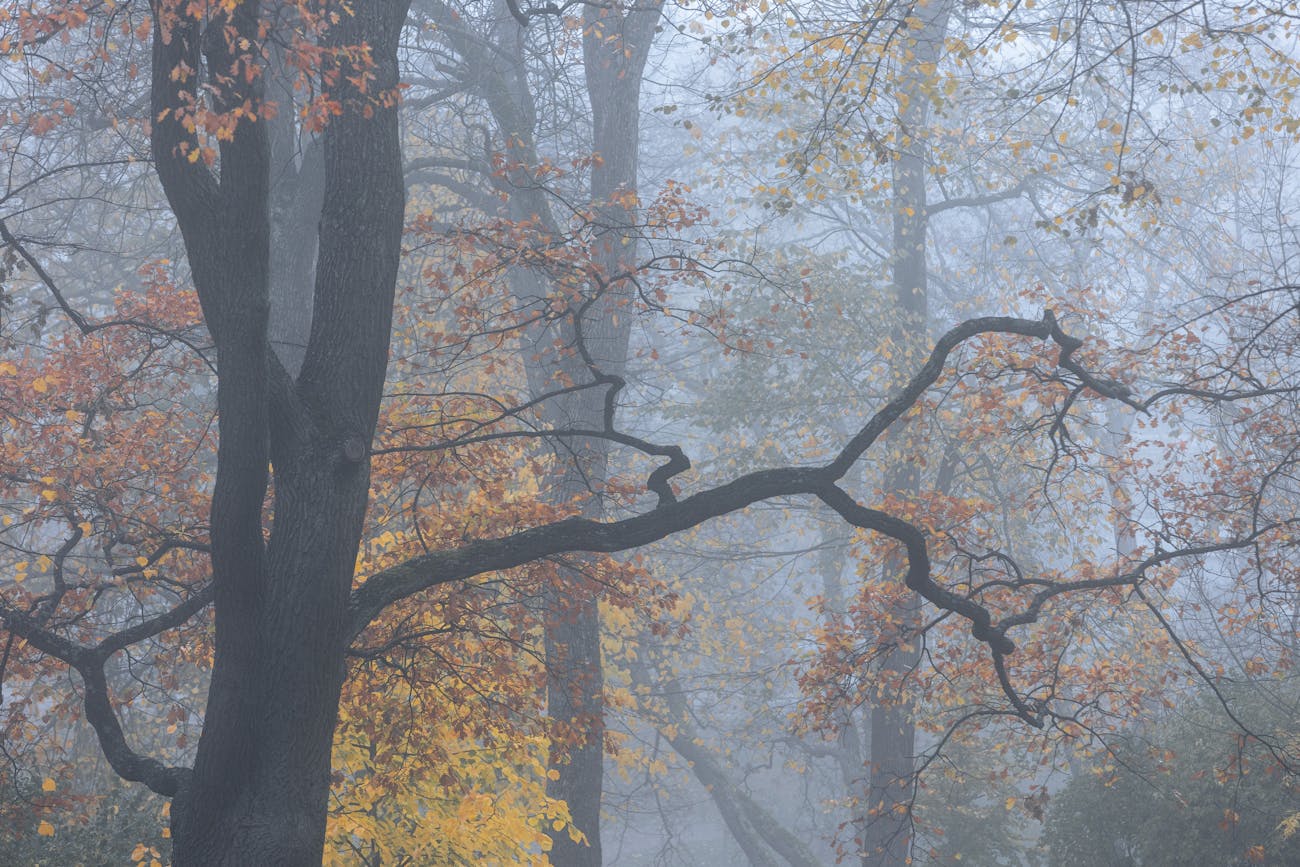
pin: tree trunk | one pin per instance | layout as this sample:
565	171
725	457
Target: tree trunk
259	795
760	835
616	43
258	792
886	839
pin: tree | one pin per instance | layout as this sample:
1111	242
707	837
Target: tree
293	474
1185	789
835	72
495	61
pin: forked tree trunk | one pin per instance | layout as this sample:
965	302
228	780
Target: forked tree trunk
259	787
261	778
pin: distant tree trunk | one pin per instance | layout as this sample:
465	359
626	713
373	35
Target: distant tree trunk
849	751
616	44
760	835
887	835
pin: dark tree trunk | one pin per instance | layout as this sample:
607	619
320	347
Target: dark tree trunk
259	788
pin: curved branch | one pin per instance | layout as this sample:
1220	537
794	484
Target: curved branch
1044	329
918	565
89	662
672	516
155	625
166	780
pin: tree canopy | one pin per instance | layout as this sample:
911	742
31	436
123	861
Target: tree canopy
404	404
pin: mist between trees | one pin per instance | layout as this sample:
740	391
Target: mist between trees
635	433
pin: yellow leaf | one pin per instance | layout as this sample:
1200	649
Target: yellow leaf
48	785
49	495
1011	802
45	829
142	561
39	385
85	527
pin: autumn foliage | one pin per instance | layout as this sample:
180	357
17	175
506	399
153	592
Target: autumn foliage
1032	538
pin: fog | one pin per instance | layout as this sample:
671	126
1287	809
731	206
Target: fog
475	432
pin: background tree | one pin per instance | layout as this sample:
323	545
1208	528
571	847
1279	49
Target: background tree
125	556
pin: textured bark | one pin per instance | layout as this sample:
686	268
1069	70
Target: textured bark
260	783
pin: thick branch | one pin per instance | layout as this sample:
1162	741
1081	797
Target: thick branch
1014	192
89	662
126	762
573	534
671	516
918	565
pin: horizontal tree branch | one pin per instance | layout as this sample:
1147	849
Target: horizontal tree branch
671	516
980	201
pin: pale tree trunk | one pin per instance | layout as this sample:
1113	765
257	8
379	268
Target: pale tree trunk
849	751
616	44
762	837
886	838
